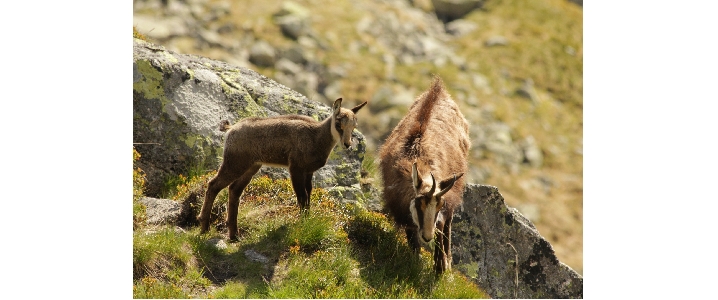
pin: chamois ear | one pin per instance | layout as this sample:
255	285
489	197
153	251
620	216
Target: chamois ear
446	184
358	107
337	105
415	178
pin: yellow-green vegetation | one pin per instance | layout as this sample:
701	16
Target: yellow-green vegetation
333	251
138	188
136	34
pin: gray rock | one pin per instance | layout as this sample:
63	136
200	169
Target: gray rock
531	151
262	54
293	20
217	243
161	211
179	100
487	238
449	10
288	67
256	256
460	27
292	26
496	41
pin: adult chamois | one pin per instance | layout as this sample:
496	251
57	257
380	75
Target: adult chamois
293	141
430	143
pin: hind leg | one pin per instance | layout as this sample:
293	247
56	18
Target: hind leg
224	177
235	191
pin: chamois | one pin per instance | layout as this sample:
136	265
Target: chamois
293	141
430	143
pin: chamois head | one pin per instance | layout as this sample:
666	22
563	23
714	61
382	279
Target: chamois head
343	122
427	203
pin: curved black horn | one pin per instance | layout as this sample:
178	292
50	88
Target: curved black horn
433	184
442	192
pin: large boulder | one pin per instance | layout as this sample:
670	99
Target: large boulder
179	101
504	253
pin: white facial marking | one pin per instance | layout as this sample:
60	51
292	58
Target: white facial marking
414	216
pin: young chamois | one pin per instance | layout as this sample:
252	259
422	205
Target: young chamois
430	143
296	142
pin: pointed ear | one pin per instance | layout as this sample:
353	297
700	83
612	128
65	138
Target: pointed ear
358	107
415	179
337	105
446	184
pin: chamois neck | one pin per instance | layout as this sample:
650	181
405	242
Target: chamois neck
329	135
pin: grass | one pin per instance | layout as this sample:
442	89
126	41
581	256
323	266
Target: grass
333	251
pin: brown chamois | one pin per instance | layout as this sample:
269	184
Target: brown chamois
430	143
292	141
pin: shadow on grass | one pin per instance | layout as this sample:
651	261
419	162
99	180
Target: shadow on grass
387	262
251	265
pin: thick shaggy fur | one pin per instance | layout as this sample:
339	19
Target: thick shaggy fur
296	142
434	135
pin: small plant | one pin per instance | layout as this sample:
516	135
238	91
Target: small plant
138	188
138	177
136	34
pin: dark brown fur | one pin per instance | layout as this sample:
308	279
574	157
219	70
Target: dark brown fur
297	142
434	135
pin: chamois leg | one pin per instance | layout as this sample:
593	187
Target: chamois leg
308	186
447	239
235	191
298	183
224	177
440	242
412	238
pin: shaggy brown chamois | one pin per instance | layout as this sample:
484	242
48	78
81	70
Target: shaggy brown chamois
296	142
430	143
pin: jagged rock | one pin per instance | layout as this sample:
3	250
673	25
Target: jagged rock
449	10
161	211
487	238
179	100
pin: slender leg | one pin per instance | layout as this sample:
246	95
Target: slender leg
439	254
235	191
298	178
447	240
413	239
308	187
223	179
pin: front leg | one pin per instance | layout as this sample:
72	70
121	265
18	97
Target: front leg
413	239
439	246
308	186
298	183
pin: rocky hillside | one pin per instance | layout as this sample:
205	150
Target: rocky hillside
515	68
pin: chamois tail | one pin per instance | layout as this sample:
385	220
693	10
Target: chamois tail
224	125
